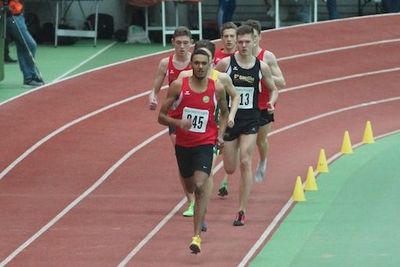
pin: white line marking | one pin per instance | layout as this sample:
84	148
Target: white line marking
85	61
77	75
286	207
123	101
82	196
336	21
153	232
61	129
339	49
165	220
89	115
158	227
353	76
276	220
165	51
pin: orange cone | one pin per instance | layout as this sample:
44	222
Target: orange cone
368	137
346	145
298	192
311	184
322	164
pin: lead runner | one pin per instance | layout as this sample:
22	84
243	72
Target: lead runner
194	100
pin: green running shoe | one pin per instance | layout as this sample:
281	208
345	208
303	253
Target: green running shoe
223	189
189	212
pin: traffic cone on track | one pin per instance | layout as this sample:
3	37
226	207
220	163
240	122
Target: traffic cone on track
322	164
346	145
368	137
311	184
298	192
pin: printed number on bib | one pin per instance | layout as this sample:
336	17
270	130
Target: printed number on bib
245	97
199	118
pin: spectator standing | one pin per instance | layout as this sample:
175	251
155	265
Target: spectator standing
331	5
391	6
26	46
7	57
226	8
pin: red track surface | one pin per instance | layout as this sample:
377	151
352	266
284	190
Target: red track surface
102	228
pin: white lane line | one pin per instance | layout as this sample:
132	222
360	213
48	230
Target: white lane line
63	128
154	231
82	196
77	75
148	237
160	52
353	76
96	112
336	21
85	61
339	49
286	207
158	227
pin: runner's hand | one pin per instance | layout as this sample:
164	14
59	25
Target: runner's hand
220	143
153	100
231	122
185	124
270	108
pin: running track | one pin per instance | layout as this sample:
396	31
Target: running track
83	183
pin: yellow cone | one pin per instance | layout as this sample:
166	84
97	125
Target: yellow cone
346	145
368	137
298	192
322	164
311	184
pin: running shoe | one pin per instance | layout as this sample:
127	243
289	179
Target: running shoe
195	245
223	188
223	191
204	226
189	212
239	221
260	171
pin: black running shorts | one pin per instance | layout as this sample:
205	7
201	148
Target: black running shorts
191	159
249	126
266	117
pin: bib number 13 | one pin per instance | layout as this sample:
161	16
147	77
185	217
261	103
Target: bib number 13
246	97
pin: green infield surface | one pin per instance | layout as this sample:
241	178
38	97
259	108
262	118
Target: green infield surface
352	220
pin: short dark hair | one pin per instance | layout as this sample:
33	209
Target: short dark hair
200	52
227	25
244	29
255	24
205	44
182	31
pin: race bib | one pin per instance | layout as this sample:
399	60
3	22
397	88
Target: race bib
245	97
199	118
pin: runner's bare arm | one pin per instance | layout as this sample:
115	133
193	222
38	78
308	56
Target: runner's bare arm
226	81
172	94
273	90
279	80
223	106
223	64
185	73
158	82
